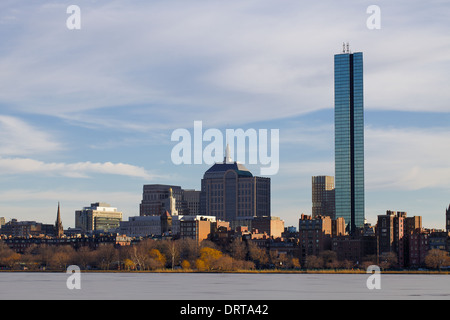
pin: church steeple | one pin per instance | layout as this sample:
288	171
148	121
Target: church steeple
59	231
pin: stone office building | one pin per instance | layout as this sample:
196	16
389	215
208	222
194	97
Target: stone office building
159	198
229	191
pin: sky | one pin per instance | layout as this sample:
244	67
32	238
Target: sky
86	115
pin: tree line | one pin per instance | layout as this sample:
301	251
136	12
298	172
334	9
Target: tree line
146	255
185	254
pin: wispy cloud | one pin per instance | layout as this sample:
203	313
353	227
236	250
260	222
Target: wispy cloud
256	59
72	170
402	158
407	158
19	138
136	70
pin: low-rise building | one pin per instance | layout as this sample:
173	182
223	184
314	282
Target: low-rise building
98	217
196	227
20	244
15	228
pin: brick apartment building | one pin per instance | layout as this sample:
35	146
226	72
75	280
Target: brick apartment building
315	235
394	231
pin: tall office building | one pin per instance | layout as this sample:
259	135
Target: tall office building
231	192
349	138
323	196
159	198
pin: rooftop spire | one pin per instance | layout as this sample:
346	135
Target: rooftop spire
59	231
227	158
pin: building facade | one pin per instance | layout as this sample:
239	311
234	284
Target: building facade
21	244
98	217
229	191
398	234
159	198
191	200
390	234
418	248
323	196
349	138
197	228
15	228
273	226
447	219
141	226
314	235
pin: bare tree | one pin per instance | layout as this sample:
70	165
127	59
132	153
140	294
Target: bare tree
313	262
45	254
346	264
61	257
369	261
105	255
329	259
437	259
388	260
173	248
238	249
189	250
8	257
139	257
256	254
83	257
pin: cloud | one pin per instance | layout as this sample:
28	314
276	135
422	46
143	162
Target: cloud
19	138
313	136
407	158
173	61
396	158
72	170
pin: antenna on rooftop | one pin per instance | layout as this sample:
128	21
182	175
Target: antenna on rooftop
345	47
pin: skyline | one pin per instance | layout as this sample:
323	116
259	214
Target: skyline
86	115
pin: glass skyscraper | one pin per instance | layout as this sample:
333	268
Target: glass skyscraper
349	138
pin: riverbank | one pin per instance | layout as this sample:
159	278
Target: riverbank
409	272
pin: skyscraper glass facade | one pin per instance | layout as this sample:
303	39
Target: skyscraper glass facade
349	138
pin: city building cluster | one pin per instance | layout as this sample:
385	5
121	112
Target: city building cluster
234	204
166	214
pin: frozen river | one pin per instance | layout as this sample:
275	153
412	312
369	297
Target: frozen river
197	286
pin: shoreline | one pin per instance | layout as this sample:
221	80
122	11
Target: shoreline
409	272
